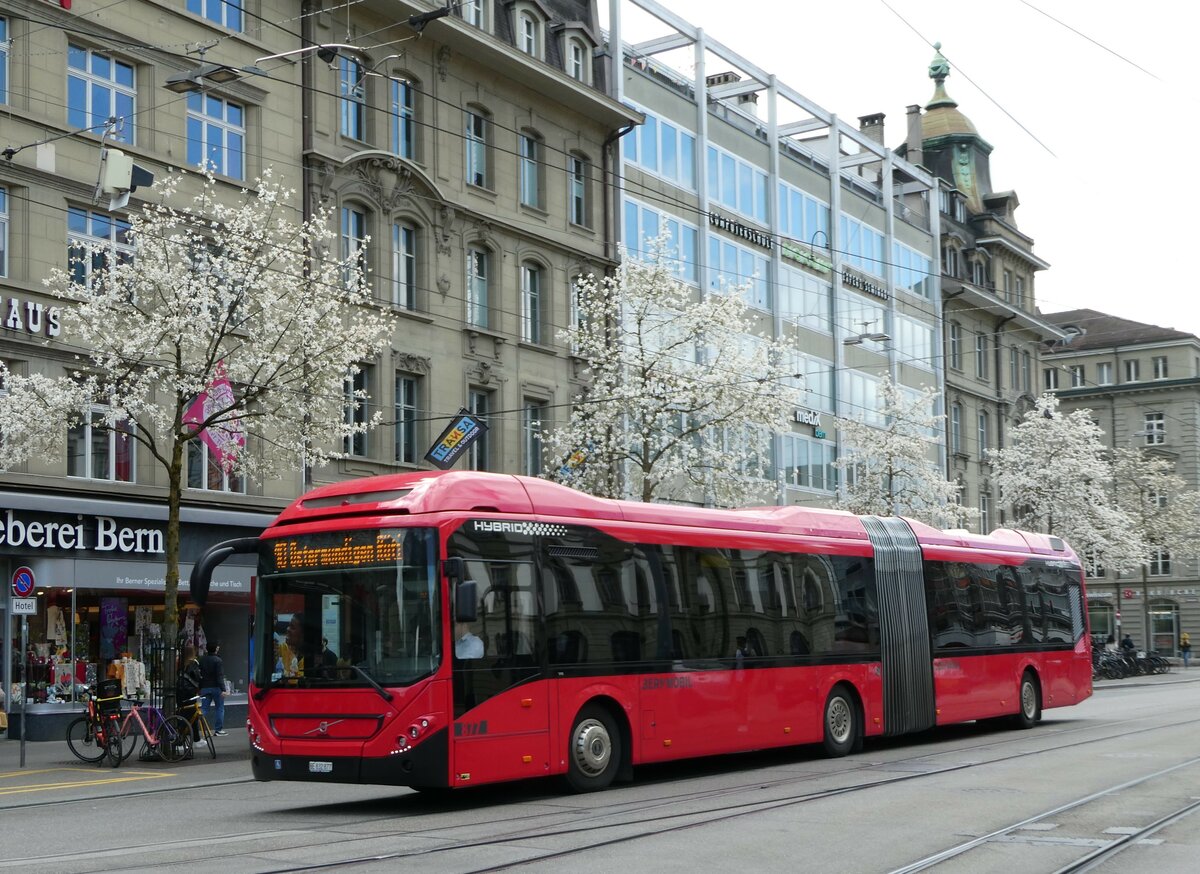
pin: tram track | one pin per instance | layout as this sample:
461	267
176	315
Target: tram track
630	814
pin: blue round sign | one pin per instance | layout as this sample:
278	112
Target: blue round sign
22	582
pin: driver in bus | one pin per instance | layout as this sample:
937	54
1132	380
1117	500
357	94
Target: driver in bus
291	650
466	644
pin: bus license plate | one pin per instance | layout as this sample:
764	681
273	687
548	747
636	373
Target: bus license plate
320	767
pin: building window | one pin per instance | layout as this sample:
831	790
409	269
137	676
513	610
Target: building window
1155	428
352	102
642	223
1026	372
1008	286
99	451
404	119
662	148
530	165
1092	564
808	463
577	61
733	267
1160	562
205	471
99	87
354	240
477	287
1050	379
862	245
531	303
477	141
89	229
3	232
1160	366
404	265
981	355
1077	376
911	271
227	13
1019	296
955	344
532	423
1104	373
1131	370
956	428
357	410
529	34
4	60
479	403
1014	368
741	186
950	261
984	423
473	13
579	193
985	512
979	274
407	447
216	135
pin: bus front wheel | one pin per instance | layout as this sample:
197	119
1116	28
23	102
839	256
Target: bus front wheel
841	722
595	750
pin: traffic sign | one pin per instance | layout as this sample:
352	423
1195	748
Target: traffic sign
22	582
24	606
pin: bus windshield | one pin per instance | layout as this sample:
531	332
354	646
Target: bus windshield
348	608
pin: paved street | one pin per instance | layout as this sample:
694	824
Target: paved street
1087	777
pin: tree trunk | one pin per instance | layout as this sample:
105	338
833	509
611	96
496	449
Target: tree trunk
170	629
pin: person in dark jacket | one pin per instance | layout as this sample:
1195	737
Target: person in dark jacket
212	688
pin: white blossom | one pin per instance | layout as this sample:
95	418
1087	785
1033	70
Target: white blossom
1056	478
682	399
1165	513
225	284
887	466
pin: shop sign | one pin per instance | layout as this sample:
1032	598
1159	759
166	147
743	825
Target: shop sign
861	283
805	257
738	229
98	533
24	606
31	317
808	417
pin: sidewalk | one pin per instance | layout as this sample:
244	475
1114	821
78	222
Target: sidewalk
53	775
1177	674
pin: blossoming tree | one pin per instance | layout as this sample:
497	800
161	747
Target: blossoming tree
887	463
682	397
222	321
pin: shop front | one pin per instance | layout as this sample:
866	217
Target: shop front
96	571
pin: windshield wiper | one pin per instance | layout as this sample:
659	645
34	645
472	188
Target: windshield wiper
384	693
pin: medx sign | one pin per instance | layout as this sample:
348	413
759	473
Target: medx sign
98	533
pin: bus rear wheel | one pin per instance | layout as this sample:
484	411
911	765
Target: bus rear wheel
1030	701
841	722
594	753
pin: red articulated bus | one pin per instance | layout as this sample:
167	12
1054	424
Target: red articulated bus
447	629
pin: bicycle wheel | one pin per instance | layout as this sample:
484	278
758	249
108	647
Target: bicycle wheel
113	750
81	738
175	739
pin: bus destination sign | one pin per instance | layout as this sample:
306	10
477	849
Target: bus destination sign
366	549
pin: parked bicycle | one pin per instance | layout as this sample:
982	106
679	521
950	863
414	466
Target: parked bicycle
167	739
192	716
95	737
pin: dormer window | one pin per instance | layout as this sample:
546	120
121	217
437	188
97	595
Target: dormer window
576	60
528	34
474	13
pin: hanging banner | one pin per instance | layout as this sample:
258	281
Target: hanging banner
225	439
462	431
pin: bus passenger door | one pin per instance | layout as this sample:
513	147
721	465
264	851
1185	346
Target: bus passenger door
501	706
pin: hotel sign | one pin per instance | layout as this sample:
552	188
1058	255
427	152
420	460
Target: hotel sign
30	316
738	229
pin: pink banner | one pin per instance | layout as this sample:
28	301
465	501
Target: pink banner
224	438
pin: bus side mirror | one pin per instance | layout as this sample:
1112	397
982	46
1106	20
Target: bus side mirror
454	569
465	601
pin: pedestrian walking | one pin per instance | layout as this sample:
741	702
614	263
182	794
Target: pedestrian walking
1185	648
212	687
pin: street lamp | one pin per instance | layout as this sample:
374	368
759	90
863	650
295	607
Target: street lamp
201	77
876	336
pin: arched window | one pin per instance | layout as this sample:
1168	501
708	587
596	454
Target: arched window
577	60
402	118
529	34
532	302
1164	626
479	147
354	234
405	263
479	301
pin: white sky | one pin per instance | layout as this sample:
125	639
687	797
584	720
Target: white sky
1108	209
